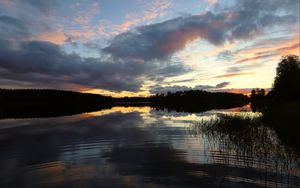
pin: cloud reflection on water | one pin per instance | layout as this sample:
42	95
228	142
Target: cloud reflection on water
139	146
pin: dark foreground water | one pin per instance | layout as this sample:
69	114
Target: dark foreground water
142	147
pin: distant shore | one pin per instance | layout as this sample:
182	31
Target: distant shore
23	103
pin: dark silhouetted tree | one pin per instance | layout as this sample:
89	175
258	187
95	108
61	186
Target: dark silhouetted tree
287	81
257	94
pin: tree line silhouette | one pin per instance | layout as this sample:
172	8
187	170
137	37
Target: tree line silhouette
197	100
21	103
48	102
49	96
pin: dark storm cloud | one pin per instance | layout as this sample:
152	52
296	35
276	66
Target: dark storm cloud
243	21
12	28
44	63
159	89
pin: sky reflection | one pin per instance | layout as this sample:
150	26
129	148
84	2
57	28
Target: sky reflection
139	146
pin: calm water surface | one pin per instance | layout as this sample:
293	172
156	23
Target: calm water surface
142	147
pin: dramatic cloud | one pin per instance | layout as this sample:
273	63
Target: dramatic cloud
45	63
243	21
33	50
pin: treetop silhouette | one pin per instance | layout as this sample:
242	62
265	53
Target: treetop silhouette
287	81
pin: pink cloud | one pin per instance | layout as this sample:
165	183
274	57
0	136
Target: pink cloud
234	74
251	59
178	40
54	37
270	49
82	34
289	48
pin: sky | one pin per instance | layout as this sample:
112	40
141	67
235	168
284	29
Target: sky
142	47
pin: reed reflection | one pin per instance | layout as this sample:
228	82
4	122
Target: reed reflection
242	140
